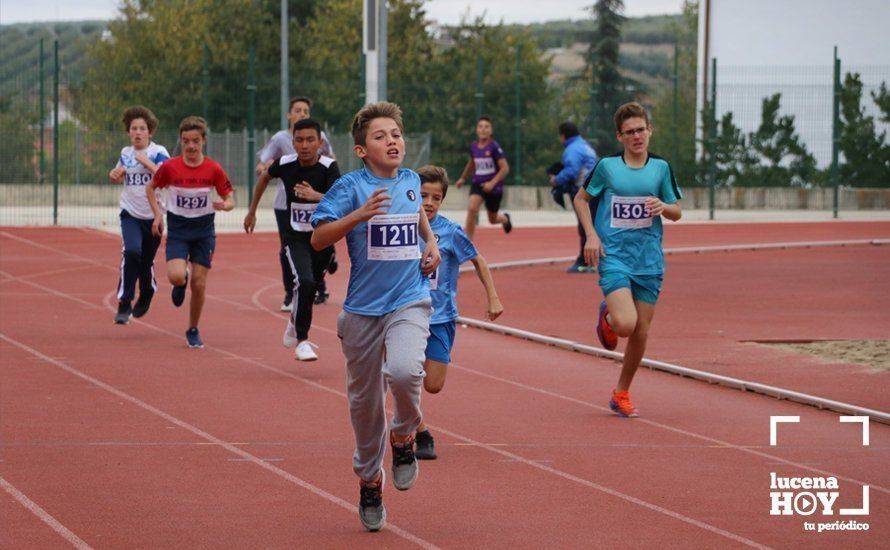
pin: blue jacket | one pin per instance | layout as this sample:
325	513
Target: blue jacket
578	156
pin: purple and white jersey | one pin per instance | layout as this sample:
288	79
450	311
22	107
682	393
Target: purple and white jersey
133	198
280	144
485	162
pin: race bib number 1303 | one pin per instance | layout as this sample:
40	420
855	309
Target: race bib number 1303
630	213
393	237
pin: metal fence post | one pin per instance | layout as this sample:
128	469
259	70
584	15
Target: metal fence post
56	132
480	93
42	178
675	116
76	153
712	149
518	141
836	134
205	82
251	108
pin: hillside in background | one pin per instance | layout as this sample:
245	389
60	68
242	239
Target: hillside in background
20	51
645	52
646	48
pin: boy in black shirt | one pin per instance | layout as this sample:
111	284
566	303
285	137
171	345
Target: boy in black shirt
307	176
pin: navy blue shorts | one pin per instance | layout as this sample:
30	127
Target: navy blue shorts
492	200
440	342
191	239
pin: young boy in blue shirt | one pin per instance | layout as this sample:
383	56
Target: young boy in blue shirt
635	189
456	248
384	324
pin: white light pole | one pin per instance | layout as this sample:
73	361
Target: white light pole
374	37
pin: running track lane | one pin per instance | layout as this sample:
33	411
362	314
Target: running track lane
487	410
713	306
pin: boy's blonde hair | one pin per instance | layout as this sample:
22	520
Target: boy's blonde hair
630	110
368	113
190	123
434	174
138	111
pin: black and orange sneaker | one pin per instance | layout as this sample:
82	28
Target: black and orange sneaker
621	404
370	504
604	331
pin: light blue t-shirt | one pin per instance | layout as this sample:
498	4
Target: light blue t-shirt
455	248
385	273
631	238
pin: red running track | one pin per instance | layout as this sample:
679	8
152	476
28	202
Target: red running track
123	437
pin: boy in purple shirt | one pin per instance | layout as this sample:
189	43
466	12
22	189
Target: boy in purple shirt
489	168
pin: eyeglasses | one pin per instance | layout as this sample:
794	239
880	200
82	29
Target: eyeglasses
634	132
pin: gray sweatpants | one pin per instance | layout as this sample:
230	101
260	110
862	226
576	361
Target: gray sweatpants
383	351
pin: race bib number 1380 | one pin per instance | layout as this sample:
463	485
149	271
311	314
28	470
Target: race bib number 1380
630	213
393	237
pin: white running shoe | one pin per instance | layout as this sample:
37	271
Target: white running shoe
290	335
305	352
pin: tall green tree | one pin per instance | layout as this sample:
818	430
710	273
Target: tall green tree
784	158
735	159
680	147
866	156
882	100
153	54
608	84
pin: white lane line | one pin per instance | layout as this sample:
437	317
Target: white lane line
683	372
513	456
244	455
44	516
717	442
256	302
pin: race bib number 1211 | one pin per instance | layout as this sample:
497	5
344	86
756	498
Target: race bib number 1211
393	237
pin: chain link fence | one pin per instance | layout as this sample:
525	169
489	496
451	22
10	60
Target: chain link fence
769	143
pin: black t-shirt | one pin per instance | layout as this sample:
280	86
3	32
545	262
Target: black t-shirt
320	176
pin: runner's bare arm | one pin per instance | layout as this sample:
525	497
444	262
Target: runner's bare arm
250	218
328	233
494	303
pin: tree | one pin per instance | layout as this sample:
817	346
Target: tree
153	55
776	142
680	149
866	154
608	84
735	162
882	100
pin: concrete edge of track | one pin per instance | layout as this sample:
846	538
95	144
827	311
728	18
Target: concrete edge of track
685	372
697	250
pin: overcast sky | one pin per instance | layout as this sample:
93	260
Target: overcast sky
445	11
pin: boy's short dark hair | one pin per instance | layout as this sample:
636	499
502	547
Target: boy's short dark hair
630	110
299	99
486	118
190	123
434	174
568	130
308	124
138	111
371	111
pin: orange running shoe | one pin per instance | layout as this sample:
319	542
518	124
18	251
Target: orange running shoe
604	331
621	405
